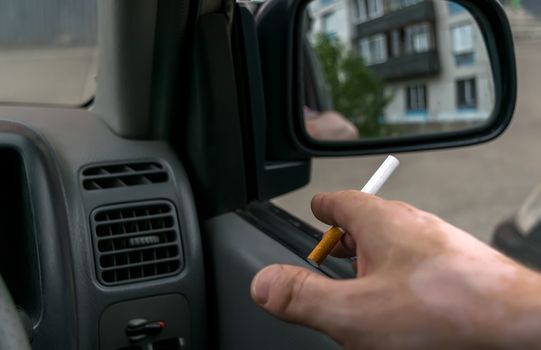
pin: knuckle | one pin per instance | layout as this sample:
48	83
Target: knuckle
404	206
349	199
349	192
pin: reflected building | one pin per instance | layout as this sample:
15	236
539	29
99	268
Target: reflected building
430	54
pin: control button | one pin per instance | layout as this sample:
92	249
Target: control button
139	328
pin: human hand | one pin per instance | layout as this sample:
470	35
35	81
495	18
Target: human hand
421	283
330	126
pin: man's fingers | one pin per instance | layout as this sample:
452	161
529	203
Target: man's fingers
298	295
340	251
345	209
346	248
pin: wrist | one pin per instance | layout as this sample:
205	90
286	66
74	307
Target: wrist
514	319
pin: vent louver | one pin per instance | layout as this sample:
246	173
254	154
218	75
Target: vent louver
136	242
123	175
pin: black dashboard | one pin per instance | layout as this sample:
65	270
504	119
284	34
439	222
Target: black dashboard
100	244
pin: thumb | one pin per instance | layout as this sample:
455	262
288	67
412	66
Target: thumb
297	295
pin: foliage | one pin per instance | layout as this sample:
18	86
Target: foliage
357	93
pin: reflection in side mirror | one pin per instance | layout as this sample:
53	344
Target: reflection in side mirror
393	68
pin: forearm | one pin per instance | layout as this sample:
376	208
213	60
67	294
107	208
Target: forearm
520	321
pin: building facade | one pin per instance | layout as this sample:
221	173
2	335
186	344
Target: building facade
430	54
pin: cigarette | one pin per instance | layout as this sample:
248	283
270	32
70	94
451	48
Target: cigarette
334	234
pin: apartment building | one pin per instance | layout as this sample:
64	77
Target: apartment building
430	54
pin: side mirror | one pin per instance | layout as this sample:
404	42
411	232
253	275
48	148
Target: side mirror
354	77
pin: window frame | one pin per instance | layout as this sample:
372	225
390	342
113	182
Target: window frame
414	31
470	102
359	16
417	104
325	21
368	46
456	28
375	8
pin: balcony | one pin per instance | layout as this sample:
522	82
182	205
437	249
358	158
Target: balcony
423	11
417	65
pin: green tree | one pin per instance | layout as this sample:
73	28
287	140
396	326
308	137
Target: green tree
357	93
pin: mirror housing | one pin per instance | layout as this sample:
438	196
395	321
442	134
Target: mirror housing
280	34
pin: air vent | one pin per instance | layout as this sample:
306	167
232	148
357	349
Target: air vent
136	242
123	175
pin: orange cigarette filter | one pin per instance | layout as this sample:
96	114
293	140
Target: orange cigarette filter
324	247
334	234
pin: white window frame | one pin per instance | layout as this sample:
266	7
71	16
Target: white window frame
418	38
417	95
360	13
373	49
325	23
379	46
463	38
364	50
375	8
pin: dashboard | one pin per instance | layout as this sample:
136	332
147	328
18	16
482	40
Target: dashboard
99	238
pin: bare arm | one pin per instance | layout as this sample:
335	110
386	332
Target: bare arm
330	126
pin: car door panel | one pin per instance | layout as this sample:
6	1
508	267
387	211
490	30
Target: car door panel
238	250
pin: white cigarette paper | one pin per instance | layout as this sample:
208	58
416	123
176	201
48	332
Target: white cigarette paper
334	234
381	175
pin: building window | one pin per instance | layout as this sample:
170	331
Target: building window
463	44
455	8
359	10
465	59
394	5
375	8
396	43
373	49
466	94
416	99
418	38
329	24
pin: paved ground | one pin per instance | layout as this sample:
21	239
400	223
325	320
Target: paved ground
66	75
474	188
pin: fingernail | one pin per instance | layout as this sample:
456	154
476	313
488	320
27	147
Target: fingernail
317	197
262	283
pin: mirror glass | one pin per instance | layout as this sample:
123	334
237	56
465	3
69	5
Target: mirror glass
393	68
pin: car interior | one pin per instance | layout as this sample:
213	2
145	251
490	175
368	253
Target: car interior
138	219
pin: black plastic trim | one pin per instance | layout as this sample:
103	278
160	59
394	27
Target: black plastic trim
46	197
280	25
174	229
294	234
85	139
497	33
265	178
213	137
